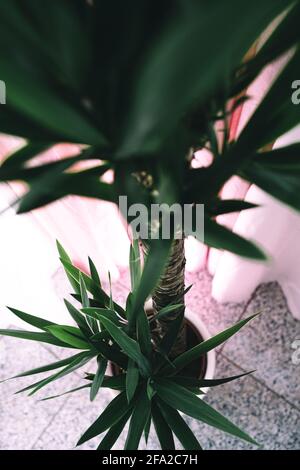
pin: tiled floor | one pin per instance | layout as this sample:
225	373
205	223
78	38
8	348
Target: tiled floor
265	404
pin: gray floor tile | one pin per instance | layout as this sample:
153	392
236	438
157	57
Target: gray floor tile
75	416
216	317
266	343
268	418
23	418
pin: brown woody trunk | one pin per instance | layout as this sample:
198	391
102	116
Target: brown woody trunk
170	290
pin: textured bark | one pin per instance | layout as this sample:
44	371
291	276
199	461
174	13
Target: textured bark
170	290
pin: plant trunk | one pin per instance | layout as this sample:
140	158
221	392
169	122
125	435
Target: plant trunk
171	290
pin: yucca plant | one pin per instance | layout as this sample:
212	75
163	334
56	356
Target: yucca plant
141	85
151	388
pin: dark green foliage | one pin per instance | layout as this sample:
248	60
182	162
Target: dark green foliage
150	386
140	84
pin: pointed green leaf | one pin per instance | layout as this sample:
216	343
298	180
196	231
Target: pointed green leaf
67	393
163	430
79	319
227	206
46	368
218	236
138	421
99	377
282	184
35	336
25	153
192	382
116	409
147	429
93	324
94	272
183	400
62	333
132	379
154	265
202	348
135	264
40	323
143	333
78	362
64	256
129	345
179	427
113	434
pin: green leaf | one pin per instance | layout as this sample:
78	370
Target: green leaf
135	264
64	256
99	377
183	400
156	260
98	293
35	336
32	320
282	184
31	174
191	72
62	117
179	427
94	272
192	382
78	362
129	345
206	346
111	303
79	319
57	183
166	310
274	116
113	434
227	206
218	236
138	421
132	379
168	341
111	353
150	391
147	429
93	324
97	313
67	393
116	409
143	333
163	430
83	292
46	368
65	334
284	158
115	382
22	155
283	38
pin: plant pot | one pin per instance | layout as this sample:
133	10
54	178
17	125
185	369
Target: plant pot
197	333
203	334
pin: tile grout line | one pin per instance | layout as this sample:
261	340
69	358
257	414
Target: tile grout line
263	384
244	309
51	421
